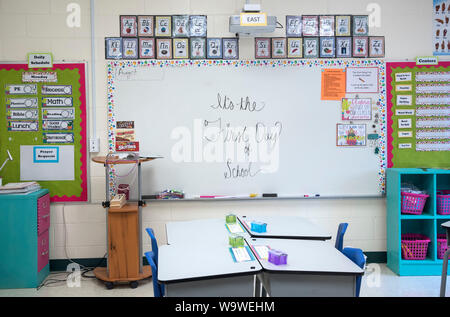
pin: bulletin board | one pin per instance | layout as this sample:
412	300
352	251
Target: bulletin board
418	105
196	113
43	125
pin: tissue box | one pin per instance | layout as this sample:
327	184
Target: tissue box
236	240
277	257
257	226
230	218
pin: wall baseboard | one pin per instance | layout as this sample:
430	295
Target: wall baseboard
58	265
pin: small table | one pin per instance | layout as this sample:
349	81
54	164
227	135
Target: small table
204	270
446	226
286	228
314	268
204	231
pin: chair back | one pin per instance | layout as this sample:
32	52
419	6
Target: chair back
154	244
158	289
357	256
340	236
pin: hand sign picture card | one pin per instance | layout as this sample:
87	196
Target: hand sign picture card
230	48
198	48
262	47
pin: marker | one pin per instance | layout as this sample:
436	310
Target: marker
311	195
270	195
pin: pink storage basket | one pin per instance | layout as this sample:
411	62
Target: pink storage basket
414	246
441	245
413	203
443	202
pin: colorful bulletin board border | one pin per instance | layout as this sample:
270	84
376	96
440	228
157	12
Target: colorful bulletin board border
114	66
409	156
73	74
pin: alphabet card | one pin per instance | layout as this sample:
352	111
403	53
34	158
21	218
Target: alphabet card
278	47
163	48
180	26
130	48
262	47
145	25
128	25
343	23
197	25
214	48
360	46
163	26
360	25
230	48
293	26
295	47
113	47
326	23
376	46
327	47
146	47
351	134
180	48
311	47
198	48
343	47
310	25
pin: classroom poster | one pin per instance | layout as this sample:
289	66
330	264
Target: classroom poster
43	125
441	19
333	84
418	100
356	109
351	134
362	80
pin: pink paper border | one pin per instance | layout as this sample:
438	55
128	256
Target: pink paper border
82	81
389	81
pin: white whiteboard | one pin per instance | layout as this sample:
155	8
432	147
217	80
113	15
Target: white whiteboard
169	105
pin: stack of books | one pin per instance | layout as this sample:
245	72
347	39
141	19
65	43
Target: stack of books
20	188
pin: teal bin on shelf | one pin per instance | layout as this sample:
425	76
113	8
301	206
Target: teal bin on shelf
24	232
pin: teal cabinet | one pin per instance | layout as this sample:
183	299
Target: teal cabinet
24	233
428	223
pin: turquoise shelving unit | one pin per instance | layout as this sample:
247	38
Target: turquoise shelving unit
428	223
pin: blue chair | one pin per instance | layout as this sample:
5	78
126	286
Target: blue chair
357	256
158	289
340	236
154	252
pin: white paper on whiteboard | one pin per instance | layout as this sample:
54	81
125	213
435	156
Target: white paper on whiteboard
362	80
57	169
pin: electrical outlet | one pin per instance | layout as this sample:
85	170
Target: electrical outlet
94	145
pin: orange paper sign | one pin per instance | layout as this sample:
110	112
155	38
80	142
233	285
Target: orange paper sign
333	84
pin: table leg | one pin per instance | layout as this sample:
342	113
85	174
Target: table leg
444	272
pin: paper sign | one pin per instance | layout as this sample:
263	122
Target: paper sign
400	88
43	154
57	125
56	90
39	77
23	125
403	77
40	60
253	19
58	137
404	112
405	134
241	254
21	103
351	134
333	84
57	102
356	109
362	80
234	228
405	146
404	100
58	113
22	114
21	89
404	123
262	251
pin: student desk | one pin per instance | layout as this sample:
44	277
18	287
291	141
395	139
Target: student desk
314	268
210	231
200	270
286	228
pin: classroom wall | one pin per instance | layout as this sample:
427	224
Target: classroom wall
79	230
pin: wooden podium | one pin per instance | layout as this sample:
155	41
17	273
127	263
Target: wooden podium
124	238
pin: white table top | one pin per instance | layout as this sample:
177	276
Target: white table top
286	228
189	262
446	225
198	231
307	256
